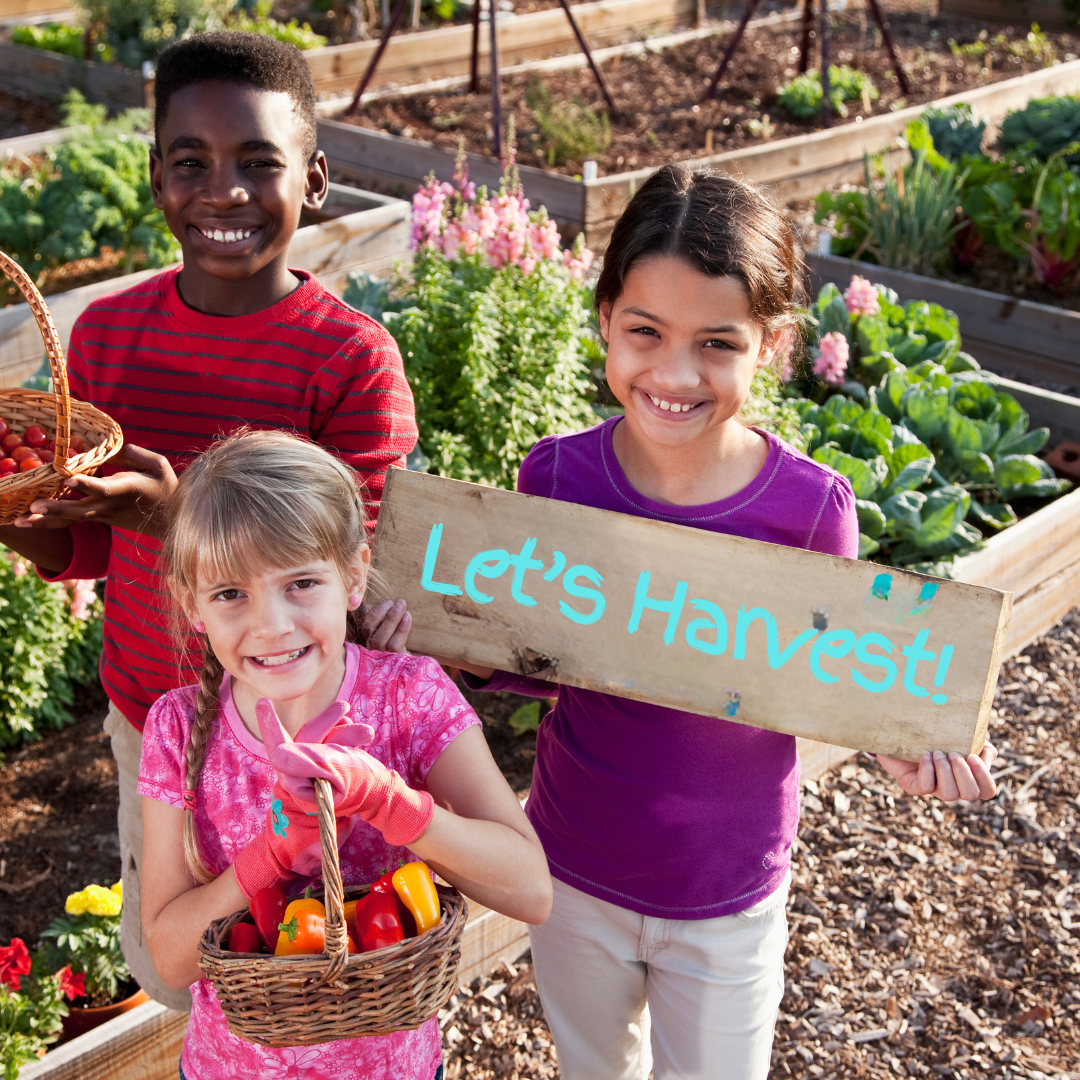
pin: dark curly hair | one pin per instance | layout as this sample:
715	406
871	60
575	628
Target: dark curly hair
719	225
238	57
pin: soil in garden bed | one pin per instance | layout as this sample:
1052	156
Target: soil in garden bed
926	940
657	93
21	117
58	800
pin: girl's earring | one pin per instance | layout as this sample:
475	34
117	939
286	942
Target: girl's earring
200	628
354	600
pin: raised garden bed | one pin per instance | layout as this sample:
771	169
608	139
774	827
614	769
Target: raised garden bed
25	11
796	167
371	235
1049	14
409	58
1025	341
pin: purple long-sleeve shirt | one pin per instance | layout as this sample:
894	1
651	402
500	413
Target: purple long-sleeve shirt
669	813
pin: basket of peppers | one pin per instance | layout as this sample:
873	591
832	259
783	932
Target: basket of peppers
367	960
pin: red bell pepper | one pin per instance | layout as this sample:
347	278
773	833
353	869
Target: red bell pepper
245	937
268	911
378	921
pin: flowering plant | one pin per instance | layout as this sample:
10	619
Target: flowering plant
493	322
89	943
31	1007
50	640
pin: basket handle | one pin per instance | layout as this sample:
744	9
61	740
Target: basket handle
55	353
337	934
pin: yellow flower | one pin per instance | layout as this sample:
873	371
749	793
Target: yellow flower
76	903
96	900
118	888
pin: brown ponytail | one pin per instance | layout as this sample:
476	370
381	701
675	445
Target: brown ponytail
206	710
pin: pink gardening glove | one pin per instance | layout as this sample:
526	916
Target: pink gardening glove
290	845
362	785
282	850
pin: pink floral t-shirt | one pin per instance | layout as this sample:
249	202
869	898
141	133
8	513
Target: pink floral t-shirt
416	712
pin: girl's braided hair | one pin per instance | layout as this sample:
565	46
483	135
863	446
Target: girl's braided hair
254	501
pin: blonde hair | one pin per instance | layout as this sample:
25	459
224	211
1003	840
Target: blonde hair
253	501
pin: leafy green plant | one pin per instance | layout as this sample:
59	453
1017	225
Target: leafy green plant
88	941
568	130
906	221
954	131
934	451
525	719
46	650
1045	126
137	30
93	192
293	32
31	1018
494	324
62	38
803	95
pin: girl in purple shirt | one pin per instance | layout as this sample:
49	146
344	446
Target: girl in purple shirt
669	834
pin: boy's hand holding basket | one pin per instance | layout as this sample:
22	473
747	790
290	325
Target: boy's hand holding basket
282	1001
59	415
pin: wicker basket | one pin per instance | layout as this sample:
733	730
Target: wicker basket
57	413
300	1000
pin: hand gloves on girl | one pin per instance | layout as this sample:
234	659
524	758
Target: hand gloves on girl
362	785
290	845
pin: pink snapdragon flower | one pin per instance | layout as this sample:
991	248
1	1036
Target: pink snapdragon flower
861	297
428	212
82	597
832	358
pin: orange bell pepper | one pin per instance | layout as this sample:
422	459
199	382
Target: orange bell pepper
302	935
416	890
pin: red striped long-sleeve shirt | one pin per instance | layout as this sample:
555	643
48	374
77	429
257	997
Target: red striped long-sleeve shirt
176	379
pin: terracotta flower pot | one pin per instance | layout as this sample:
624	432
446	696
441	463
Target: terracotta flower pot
80	1020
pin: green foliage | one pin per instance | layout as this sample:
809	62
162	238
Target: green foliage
1045	126
1033	48
62	38
954	131
497	359
526	719
139	29
44	652
569	130
300	35
933	451
802	96
90	945
905	222
93	192
30	1020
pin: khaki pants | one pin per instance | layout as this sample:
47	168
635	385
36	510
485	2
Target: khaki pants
127	749
625	993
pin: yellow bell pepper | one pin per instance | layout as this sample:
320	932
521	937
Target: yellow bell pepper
416	890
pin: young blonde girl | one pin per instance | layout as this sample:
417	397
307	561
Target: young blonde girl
669	834
267	558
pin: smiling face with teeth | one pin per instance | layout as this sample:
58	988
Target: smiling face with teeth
280	634
230	174
682	352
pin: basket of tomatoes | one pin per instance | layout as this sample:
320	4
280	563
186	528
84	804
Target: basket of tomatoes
367	960
46	437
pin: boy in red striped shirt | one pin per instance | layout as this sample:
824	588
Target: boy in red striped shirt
232	338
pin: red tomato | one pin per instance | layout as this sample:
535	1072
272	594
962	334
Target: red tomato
52	444
76	444
11	440
29	463
35	436
21	453
46	456
4	429
8	466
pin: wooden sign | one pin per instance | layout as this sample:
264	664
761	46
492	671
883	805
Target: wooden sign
832	649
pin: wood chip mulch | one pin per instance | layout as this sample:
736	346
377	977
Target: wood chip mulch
926	940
